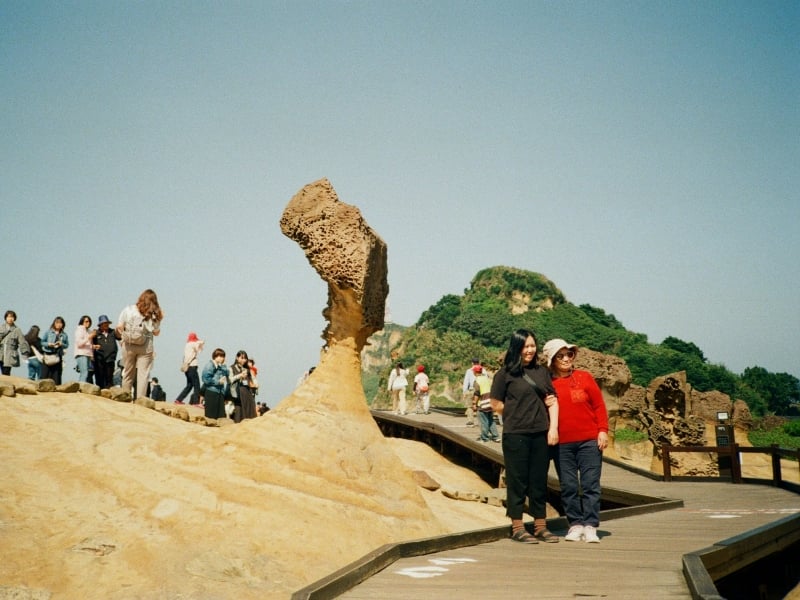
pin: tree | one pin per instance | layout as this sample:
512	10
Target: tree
780	390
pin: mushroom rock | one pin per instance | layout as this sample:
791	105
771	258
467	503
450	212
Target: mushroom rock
351	258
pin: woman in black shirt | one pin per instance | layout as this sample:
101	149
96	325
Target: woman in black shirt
519	392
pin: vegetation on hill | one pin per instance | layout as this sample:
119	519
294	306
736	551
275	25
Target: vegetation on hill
502	299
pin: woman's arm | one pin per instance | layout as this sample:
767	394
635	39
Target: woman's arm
552	410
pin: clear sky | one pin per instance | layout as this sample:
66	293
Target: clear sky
643	156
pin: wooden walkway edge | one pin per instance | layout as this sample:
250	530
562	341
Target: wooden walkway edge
673	544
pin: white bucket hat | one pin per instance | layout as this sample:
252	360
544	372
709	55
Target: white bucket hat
552	347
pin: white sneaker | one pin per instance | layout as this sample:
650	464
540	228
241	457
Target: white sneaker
575	534
590	534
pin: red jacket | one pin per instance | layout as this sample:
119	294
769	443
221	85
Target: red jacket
581	409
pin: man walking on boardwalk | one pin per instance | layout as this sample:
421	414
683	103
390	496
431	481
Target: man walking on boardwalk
468	390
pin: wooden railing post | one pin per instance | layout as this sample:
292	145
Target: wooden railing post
736	464
665	463
776	465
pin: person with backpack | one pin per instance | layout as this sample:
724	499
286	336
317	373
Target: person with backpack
137	325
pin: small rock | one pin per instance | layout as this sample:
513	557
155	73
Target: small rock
425	481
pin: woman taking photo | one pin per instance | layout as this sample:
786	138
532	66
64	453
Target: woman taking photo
583	435
84	347
137	325
215	382
54	342
244	400
519	392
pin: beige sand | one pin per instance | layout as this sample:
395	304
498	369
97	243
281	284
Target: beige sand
106	500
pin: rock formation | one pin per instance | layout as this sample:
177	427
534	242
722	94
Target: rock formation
109	499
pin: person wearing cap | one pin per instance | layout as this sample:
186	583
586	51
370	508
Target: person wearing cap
105	353
421	385
193	347
467	391
523	392
583	435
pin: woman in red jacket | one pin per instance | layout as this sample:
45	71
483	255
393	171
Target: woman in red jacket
582	437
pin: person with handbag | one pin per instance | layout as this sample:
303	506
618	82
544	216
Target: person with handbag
520	390
12	343
36	357
54	342
189	366
398	382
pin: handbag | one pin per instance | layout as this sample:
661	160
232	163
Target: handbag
185	364
51	359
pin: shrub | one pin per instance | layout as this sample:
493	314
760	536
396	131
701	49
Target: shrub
792	428
629	435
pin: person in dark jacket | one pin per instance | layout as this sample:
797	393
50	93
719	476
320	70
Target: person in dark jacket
105	353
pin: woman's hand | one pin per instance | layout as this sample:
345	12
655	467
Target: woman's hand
550	399
602	440
552	437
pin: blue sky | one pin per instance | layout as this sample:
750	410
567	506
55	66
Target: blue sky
643	156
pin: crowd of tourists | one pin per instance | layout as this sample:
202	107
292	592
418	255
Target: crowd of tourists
122	354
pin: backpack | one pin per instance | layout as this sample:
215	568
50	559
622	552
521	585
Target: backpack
134	332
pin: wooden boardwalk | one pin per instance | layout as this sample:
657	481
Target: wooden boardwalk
638	557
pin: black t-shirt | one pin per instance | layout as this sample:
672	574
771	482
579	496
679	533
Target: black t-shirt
523	411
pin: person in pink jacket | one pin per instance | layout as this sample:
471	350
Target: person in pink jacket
582	437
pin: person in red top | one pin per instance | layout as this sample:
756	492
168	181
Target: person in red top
582	437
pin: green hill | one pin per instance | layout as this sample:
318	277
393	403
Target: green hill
502	299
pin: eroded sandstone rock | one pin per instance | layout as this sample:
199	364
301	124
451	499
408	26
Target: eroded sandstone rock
348	255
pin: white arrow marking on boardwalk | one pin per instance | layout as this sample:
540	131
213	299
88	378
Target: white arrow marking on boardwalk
422	572
451	561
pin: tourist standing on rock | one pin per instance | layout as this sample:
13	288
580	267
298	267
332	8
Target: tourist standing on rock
84	347
519	391
244	401
12	343
137	325
421	386
215	384
105	353
193	347
482	404
35	358
468	391
583	435
398	382
54	342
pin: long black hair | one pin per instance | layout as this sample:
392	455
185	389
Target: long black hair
513	359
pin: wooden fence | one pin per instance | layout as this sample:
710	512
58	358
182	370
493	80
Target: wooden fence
733	454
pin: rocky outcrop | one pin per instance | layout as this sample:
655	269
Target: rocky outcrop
347	254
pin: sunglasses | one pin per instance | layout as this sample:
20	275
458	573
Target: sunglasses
565	355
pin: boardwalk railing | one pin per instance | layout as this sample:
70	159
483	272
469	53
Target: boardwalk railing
733	454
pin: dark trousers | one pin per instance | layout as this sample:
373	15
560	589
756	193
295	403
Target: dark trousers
192	385
581	463
104	375
53	371
215	404
527	459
